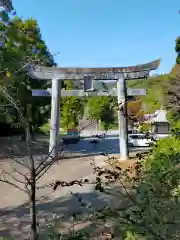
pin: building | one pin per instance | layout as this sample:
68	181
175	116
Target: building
159	122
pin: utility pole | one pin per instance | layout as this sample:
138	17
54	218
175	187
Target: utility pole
122	118
55	117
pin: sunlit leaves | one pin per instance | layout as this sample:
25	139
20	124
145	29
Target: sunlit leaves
72	109
21	43
9	74
100	108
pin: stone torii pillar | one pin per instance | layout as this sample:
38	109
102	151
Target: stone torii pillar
120	74
55	116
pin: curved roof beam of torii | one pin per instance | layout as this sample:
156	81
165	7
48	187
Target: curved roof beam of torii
51	72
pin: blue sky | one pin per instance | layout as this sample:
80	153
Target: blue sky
107	32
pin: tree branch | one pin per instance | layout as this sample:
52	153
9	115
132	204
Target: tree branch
13	184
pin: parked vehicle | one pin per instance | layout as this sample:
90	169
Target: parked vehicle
139	140
72	136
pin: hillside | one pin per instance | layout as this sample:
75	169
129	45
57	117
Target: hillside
156	87
175	70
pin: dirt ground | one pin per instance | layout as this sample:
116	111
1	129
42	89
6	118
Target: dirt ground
14	211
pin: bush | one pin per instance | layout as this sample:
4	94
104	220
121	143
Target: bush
145	127
175	129
156	210
165	154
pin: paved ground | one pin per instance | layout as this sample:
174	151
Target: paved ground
110	144
14	213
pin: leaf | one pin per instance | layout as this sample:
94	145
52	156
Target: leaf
9	74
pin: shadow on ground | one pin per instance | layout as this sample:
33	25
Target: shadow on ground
13	146
14	223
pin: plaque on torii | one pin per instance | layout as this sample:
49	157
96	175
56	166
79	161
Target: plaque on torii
88	75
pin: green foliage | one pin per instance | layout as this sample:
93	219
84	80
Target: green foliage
172	97
72	109
177	49
164	154
112	126
173	119
175	129
51	232
133	236
156	87
156	208
100	108
45	129
145	127
22	43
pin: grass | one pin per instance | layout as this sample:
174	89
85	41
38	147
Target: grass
45	129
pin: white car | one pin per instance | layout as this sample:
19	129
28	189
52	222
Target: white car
139	140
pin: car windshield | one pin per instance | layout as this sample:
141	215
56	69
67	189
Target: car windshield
138	136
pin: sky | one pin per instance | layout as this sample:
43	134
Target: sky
101	33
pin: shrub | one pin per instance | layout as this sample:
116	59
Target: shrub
165	154
156	210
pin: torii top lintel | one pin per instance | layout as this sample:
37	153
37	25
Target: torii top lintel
69	73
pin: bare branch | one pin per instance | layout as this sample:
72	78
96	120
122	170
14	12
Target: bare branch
10	175
13	184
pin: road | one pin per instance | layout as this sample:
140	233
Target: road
14	212
109	144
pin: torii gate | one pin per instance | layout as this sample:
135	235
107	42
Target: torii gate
88	75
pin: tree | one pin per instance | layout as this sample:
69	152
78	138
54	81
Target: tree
26	182
72	109
177	49
135	111
156	87
172	98
7	4
101	108
156	191
23	46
